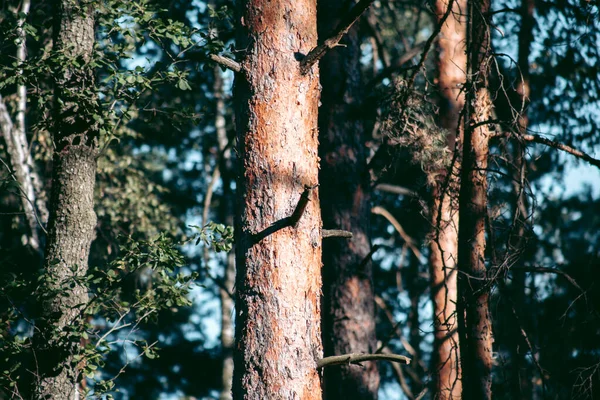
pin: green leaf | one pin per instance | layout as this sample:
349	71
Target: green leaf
183	85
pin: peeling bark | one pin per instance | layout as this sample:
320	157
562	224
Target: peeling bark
72	218
278	283
452	64
348	303
475	327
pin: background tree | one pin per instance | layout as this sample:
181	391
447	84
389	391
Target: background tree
348	292
451	69
475	329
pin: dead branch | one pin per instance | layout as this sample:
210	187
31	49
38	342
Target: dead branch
398	66
226	62
429	43
560	146
333	40
327	233
400	376
357	358
292	220
549	270
387	215
534	138
401	190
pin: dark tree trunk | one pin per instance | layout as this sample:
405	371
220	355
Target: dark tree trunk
72	218
520	384
278	284
348	303
475	325
452	63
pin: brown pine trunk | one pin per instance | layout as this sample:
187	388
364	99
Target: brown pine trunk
475	326
452	64
348	303
72	218
278	284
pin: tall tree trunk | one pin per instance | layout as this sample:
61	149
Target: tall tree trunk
475	325
72	218
226	211
348	301
18	149
451	66
521	386
278	283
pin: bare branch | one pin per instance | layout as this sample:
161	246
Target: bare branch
327	233
398	66
534	138
560	146
549	270
409	241
227	62
429	43
292	220
400	376
345	24
357	358
504	10
386	187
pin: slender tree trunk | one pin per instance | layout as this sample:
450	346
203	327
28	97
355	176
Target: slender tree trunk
72	218
226	211
348	303
227	328
521	386
475	326
452	64
278	283
415	289
18	149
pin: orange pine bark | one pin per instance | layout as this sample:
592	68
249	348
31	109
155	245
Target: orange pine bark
278	283
475	327
451	66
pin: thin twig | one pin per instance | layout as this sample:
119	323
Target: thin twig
357	358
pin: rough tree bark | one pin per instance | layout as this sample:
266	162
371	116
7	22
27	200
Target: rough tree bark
348	301
451	66
278	282
72	218
475	327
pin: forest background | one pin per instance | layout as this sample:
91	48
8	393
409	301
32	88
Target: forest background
150	99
